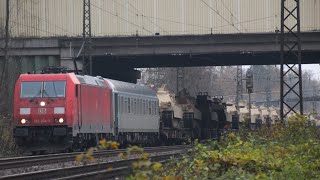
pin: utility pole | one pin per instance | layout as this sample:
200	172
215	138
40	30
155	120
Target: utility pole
159	76
268	88
239	86
86	33
249	86
180	79
290	51
4	74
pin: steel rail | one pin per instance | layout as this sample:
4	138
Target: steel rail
18	162
119	168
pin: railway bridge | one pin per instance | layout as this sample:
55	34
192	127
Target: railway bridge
144	33
116	57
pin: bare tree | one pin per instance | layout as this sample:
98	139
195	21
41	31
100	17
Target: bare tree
4	72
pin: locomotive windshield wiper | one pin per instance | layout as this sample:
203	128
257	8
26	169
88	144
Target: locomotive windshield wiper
35	96
45	92
47	95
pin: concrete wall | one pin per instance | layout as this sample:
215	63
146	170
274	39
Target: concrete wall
16	66
33	64
44	18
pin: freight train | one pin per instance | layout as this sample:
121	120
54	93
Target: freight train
54	112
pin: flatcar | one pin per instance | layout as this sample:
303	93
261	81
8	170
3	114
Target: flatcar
67	111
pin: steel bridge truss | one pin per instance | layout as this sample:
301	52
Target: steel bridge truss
86	33
290	70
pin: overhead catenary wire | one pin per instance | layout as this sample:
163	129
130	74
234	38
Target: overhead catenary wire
214	27
115	15
140	13
232	15
148	18
172	21
32	27
162	19
218	13
206	27
45	21
194	25
21	8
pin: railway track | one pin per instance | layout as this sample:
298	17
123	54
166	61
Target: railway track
102	170
20	162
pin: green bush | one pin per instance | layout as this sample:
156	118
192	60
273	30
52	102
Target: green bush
7	146
285	151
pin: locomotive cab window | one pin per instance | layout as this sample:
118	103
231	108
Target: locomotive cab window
54	89
31	89
39	89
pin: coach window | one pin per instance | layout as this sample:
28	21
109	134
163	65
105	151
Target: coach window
145	111
150	107
141	106
129	105
121	104
157	107
138	106
135	105
144	106
125	105
154	108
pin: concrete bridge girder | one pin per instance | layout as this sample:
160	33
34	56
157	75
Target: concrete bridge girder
123	54
202	45
163	45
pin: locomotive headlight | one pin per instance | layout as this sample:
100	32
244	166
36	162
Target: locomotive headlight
61	120
23	121
42	103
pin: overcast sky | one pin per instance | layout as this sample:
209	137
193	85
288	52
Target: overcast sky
314	69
